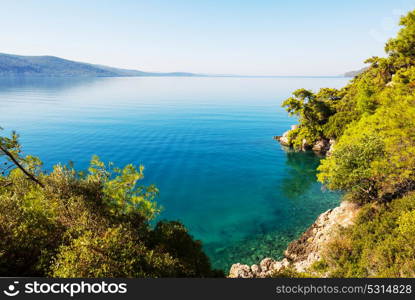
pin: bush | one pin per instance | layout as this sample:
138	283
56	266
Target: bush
380	244
89	224
375	158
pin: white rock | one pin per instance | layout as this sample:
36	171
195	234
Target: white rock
266	264
255	269
240	271
307	249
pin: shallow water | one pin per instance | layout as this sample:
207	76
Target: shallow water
205	142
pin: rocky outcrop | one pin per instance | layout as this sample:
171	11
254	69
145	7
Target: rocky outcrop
284	138
302	253
264	269
332	142
322	146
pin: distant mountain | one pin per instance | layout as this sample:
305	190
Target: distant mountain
354	73
51	66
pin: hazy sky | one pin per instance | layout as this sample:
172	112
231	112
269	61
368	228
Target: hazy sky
257	37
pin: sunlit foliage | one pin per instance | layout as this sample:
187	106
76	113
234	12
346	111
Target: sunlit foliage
372	120
89	224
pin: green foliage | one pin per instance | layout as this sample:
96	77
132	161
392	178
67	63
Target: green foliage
290	273
173	238
402	47
116	252
319	267
338	123
11	145
89	224
375	157
373	161
313	111
302	137
380	244
372	121
330	112
349	168
122	195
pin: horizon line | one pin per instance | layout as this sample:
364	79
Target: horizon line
185	73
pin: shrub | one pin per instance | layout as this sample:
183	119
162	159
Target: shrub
380	244
89	224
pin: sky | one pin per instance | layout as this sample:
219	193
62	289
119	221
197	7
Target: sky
256	37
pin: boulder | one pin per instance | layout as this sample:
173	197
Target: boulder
305	251
266	264
284	139
255	269
240	271
321	146
264	269
305	145
332	142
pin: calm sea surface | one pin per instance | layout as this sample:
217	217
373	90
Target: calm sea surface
205	142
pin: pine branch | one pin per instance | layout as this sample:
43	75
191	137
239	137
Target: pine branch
14	160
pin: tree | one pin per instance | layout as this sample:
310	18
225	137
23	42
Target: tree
10	148
313	112
89	224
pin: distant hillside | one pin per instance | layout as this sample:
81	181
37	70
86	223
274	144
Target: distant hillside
17	65
354	73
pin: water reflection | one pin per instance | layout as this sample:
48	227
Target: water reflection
205	142
301	173
44	83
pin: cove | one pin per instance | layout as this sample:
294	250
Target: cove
206	143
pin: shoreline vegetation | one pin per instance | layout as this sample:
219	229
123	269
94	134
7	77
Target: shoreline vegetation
321	146
97	223
367	131
94	223
303	253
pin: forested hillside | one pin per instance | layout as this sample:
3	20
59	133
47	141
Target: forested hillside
52	66
371	123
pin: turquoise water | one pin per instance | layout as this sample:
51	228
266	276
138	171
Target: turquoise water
205	142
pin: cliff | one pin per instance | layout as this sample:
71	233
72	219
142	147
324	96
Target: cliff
306	250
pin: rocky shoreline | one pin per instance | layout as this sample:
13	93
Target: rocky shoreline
322	146
306	250
303	252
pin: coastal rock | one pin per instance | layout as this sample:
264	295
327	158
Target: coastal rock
332	142
255	269
266	264
305	251
284	138
305	145
240	271
321	146
264	269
